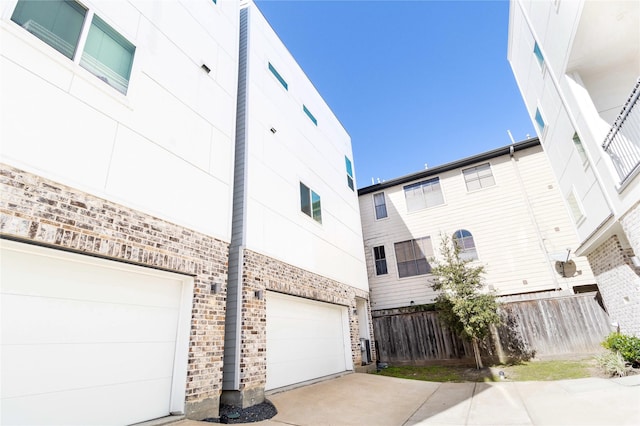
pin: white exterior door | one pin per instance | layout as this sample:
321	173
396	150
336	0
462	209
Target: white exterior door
305	340
90	341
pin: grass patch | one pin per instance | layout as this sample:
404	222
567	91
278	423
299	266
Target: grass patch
438	373
528	371
548	370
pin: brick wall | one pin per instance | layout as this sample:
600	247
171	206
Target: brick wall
261	272
42	211
619	284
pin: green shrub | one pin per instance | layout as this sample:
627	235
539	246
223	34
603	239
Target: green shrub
628	346
613	364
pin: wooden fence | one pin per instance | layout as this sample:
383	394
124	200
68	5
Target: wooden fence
550	327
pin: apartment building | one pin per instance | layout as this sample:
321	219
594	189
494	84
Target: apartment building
298	300
118	127
577	65
179	219
504	210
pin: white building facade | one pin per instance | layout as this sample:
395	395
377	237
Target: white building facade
504	209
577	64
298	291
117	130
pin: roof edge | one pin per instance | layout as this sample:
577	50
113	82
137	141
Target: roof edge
518	146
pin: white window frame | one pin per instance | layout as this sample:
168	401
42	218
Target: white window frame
383	259
375	206
471	174
465	253
575	207
427	183
80	46
420	242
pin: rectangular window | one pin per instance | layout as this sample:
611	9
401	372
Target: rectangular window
478	177
349	172
380	260
540	121
58	23
311	117
380	205
580	148
423	194
574	207
310	203
411	257
107	54
278	76
538	53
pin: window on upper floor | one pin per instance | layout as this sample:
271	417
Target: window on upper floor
575	208
423	194
540	121
105	53
380	205
411	257
310	203
278	76
538	53
311	117
349	168
580	148
467	247
380	260
478	177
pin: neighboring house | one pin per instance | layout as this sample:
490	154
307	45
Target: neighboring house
118	127
577	64
298	293
502	207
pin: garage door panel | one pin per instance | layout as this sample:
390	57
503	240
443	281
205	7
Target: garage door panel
48	320
60	277
305	339
29	369
119	404
89	341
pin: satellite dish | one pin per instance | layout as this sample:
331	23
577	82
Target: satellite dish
566	269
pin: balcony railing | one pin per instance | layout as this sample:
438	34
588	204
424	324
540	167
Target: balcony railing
623	140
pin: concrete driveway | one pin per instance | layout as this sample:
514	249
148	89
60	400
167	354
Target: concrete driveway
368	399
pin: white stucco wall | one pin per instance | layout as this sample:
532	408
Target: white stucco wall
592	60
299	151
164	148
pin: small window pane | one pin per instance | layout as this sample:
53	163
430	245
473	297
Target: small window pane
380	260
467	247
278	76
538	53
539	121
580	148
380	205
348	166
305	199
108	55
311	117
57	23
317	211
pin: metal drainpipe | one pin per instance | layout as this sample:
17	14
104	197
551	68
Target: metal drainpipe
532	217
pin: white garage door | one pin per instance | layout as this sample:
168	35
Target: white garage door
89	341
305	340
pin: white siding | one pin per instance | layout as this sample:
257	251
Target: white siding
171	136
498	218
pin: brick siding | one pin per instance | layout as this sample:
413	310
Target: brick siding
261	272
38	210
618	283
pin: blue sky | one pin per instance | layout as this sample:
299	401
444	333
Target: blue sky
413	82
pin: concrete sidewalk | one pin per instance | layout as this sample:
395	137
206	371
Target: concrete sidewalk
367	399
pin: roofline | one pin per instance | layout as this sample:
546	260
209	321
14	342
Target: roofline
518	146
